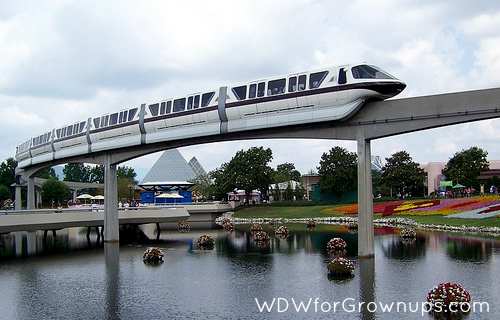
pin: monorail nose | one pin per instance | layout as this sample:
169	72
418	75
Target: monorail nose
389	90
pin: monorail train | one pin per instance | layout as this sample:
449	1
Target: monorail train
323	95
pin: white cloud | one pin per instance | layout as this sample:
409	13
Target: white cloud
63	61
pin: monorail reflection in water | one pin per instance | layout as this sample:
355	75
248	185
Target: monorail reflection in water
67	278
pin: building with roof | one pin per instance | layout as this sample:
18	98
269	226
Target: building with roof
171	173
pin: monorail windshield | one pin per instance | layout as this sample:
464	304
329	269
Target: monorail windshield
369	72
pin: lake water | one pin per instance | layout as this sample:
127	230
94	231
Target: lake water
79	278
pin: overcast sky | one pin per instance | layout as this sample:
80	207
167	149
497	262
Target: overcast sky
63	61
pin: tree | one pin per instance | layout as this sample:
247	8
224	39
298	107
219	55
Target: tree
286	172
97	174
126	172
248	170
7	176
76	172
47	173
222	181
338	171
403	174
55	191
465	166
5	192
203	186
125	188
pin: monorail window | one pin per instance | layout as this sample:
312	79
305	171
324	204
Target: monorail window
82	126
123	116
315	79
261	89
292	84
252	92
302	82
96	124
63	133
179	104
153	108
113	119
69	131
240	92
131	114
369	72
342	76
104	121
190	103
162	108
196	103
169	106
206	98
276	86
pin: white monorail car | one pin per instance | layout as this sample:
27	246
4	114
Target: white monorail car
324	95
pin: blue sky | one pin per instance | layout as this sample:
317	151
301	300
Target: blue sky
63	61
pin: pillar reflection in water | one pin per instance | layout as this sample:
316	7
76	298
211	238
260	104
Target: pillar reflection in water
112	259
367	286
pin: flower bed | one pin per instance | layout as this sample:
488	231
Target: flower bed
205	242
340	266
449	294
336	245
153	256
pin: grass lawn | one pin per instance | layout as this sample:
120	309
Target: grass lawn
422	211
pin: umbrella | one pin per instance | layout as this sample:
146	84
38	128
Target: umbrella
458	186
170	196
85	196
98	197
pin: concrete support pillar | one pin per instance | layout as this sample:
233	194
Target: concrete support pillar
38	198
30	195
366	247
74	195
111	225
18	201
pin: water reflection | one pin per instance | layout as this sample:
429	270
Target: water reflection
367	286
112	261
395	247
72	277
468	248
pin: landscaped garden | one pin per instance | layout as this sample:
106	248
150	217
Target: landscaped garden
469	212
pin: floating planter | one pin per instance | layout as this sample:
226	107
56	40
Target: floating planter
183	226
273	223
352	225
282	232
260	236
153	256
449	294
340	267
408	233
336	246
205	242
311	224
228	225
255	228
